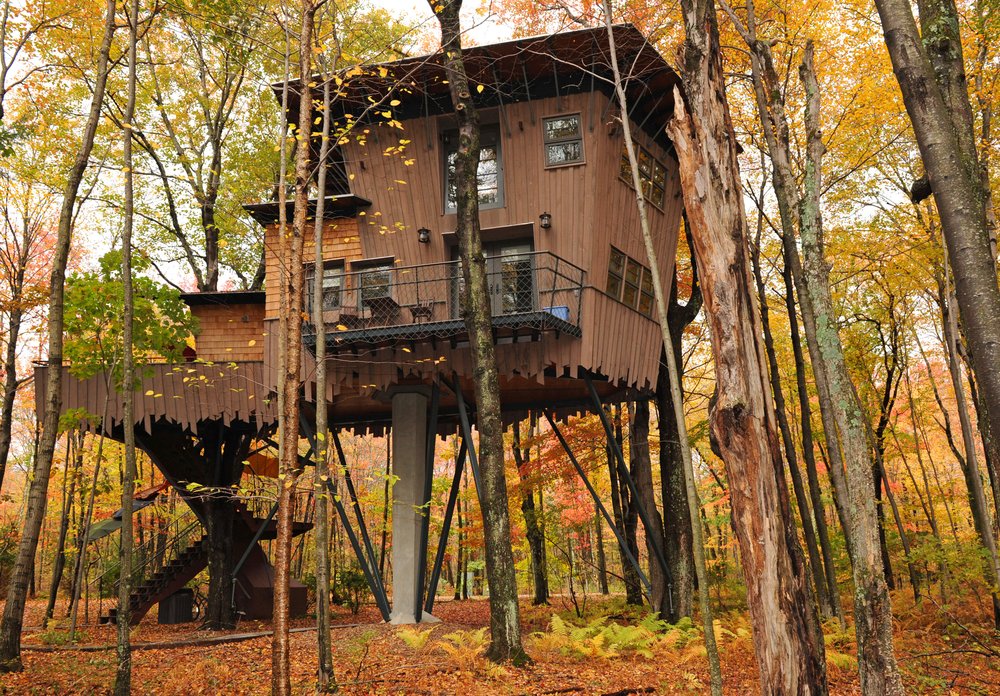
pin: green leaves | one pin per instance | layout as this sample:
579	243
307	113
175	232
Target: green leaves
94	310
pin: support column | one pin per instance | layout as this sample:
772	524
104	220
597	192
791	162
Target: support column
409	467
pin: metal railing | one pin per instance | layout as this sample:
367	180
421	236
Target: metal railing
181	533
536	290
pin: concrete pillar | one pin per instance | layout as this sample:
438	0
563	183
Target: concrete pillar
409	451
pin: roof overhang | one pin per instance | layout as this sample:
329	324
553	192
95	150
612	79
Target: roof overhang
513	71
339	206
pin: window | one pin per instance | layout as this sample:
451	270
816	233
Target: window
630	282
563	138
616	273
652	174
489	176
333	283
375	281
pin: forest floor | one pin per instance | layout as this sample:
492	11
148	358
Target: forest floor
940	651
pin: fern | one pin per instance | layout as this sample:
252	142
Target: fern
415	639
464	649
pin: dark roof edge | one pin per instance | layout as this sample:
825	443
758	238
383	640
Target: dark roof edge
227	297
340	205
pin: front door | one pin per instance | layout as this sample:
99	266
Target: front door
510	266
510	277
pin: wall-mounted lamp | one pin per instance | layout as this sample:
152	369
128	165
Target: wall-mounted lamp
545	221
424	235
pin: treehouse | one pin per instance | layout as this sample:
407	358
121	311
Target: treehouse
570	290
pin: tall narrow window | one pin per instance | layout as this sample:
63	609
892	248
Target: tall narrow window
563	140
489	175
616	274
646	298
652	175
333	283
633	274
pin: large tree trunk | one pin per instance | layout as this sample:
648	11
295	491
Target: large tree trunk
931	76
532	528
290	359
505	622
13	615
788	641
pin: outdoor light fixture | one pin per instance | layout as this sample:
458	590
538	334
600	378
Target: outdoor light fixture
424	235
545	220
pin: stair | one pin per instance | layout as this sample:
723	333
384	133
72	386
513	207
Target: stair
170	578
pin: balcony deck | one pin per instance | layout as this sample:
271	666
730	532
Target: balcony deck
530	294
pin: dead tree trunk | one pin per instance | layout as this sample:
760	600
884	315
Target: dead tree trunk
13	615
788	641
505	621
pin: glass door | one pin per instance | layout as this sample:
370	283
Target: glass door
510	277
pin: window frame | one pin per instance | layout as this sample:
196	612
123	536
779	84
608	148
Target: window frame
546	141
450	136
639	287
337	265
648	179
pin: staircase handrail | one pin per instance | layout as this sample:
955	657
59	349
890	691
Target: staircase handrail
182	536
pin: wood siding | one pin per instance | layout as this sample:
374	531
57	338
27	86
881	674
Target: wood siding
340	242
185	394
591	207
230	332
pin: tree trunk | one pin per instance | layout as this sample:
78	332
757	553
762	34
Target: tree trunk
642	475
931	75
10	378
970	469
677	532
505	622
533	530
324	671
290	358
13	615
602	561
805	513
788	640
68	493
808	452
123	618
620	508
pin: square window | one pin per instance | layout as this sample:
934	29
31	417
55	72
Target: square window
333	283
563	139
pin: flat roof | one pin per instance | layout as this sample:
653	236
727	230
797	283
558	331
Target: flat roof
339	205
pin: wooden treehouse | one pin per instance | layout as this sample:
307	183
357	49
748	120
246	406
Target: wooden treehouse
571	293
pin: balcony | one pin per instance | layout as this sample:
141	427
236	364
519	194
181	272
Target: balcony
530	293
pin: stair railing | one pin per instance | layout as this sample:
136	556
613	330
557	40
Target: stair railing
187	530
